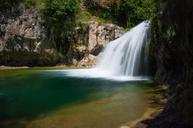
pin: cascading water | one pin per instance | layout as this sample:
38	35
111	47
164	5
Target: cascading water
127	54
124	57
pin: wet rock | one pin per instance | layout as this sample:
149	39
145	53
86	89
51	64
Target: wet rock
140	125
88	61
124	127
97	50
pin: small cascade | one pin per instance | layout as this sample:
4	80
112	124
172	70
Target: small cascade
127	55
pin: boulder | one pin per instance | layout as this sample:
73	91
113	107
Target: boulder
88	61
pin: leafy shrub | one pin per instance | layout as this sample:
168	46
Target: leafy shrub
29	3
130	12
60	21
126	13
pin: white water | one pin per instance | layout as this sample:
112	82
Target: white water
127	55
123	59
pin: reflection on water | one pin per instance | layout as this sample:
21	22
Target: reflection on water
44	99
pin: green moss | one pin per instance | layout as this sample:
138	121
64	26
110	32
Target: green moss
84	16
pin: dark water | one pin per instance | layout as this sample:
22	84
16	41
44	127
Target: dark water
46	99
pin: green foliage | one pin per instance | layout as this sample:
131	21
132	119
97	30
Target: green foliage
60	20
60	13
134	11
126	13
29	3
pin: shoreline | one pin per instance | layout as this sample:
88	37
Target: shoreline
12	67
35	67
158	102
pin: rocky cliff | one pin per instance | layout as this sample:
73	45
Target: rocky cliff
23	39
171	48
98	36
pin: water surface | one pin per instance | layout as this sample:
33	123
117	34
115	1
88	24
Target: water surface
51	99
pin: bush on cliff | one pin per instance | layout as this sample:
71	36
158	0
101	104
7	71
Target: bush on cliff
60	18
126	13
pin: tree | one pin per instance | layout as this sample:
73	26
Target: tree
60	21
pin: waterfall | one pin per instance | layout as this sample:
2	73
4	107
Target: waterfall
123	59
127	55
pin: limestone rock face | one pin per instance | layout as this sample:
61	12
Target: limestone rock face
25	33
22	39
101	35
